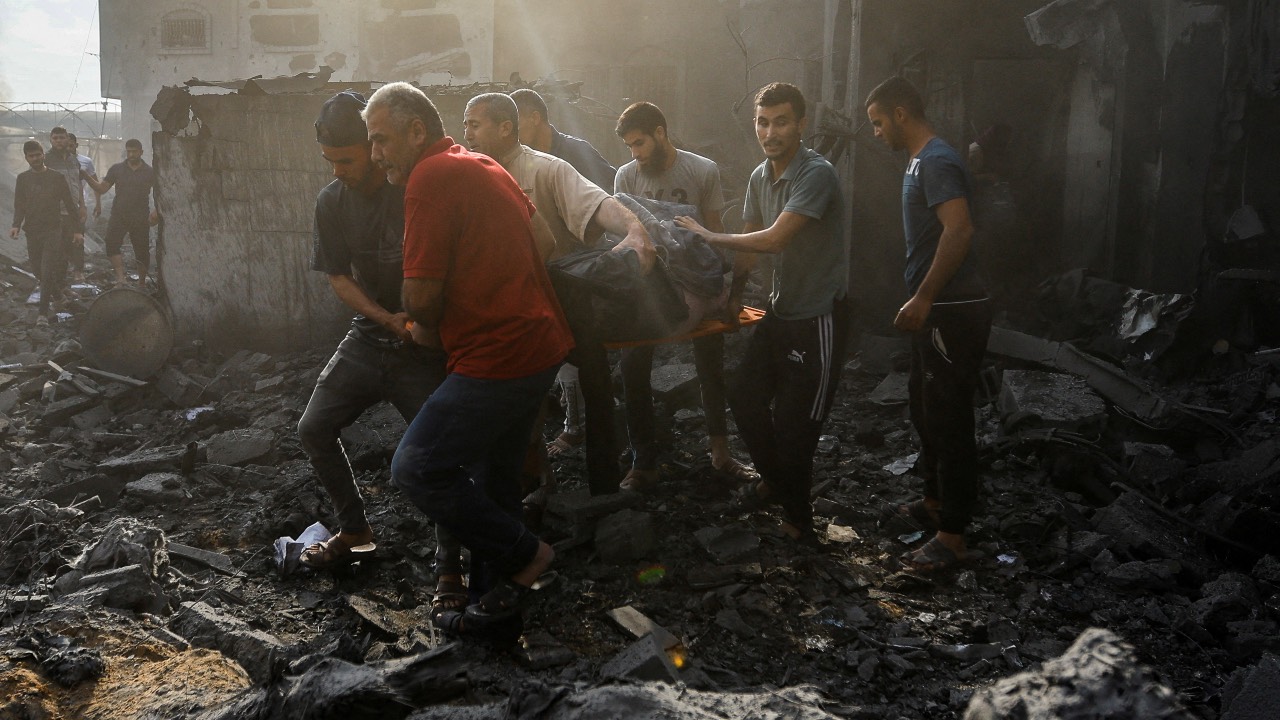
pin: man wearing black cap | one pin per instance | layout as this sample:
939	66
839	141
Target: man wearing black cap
359	235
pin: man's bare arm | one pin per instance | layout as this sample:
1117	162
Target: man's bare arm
953	247
773	239
350	292
424	302
99	186
614	217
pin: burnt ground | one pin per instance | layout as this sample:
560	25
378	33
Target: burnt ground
1165	543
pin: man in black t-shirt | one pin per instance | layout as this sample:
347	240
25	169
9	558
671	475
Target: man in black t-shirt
131	213
359	237
39	197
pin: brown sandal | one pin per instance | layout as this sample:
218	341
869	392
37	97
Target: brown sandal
638	480
737	471
450	595
335	552
563	444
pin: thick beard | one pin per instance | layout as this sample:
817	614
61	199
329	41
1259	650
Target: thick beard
657	161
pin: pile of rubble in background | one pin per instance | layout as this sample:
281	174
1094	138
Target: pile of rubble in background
138	577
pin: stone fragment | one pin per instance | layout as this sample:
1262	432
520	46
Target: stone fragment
92	418
1055	400
1098	677
728	545
203	626
1141	576
731	620
643	660
236	447
639	625
181	390
673	380
163	488
540	650
892	390
625	535
166	457
128	588
713	576
1252	693
579	506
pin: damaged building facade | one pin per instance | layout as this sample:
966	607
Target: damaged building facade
1135	131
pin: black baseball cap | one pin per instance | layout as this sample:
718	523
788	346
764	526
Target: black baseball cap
340	124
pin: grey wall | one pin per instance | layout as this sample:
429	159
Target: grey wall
237	200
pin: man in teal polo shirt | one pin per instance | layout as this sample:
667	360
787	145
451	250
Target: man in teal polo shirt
783	389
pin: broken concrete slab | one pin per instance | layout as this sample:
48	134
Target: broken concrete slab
1252	693
236	447
1098	677
644	660
129	588
207	558
639	625
163	488
1143	576
892	390
59	411
1051	400
106	488
625	535
166	457
728	545
540	650
203	626
713	576
181	390
1109	381
579	506
1138	529
92	418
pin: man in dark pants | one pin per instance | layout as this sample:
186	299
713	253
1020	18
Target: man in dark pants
475	285
359	235
38	197
783	389
948	316
134	181
580	395
660	171
63	160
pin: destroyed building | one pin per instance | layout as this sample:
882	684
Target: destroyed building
1126	417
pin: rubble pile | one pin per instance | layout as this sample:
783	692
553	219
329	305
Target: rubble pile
138	577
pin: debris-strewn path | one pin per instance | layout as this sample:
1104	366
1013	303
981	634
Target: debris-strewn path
137	576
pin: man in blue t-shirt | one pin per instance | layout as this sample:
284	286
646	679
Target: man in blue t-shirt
782	391
949	318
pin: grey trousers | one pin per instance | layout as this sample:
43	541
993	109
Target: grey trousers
359	375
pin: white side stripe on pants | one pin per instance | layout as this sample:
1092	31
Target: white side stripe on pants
826	328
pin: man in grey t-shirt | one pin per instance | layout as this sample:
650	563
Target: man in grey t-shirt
785	385
661	172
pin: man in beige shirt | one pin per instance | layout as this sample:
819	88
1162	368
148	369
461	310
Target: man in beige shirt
578	212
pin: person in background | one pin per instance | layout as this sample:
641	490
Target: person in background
41	202
135	182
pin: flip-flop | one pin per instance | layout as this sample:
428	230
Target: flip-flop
334	553
564	443
748	498
934	558
638	480
737	471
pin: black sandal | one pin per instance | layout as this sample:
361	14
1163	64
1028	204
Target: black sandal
450	595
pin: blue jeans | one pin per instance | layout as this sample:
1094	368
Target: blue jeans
460	460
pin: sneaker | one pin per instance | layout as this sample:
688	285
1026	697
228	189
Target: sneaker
34	297
42	321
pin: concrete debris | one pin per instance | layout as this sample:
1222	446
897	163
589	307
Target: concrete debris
638	625
625	535
1050	400
1098	677
644	660
237	447
204	626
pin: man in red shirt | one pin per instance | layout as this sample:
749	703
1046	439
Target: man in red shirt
475	285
